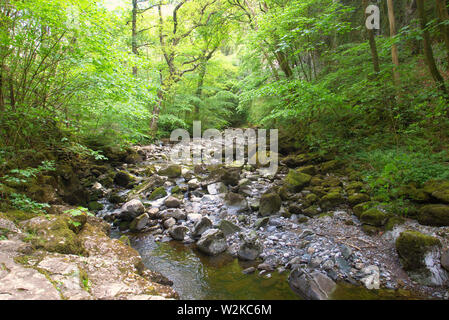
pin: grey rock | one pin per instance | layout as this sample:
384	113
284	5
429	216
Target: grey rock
217	188
201	226
178	232
445	259
172	202
251	247
228	227
169	223
262	222
140	222
249	270
132	209
212	242
311	286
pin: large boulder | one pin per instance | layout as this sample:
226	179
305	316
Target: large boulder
295	181
374	217
420	257
140	222
331	200
228	227
201	226
57	234
178	232
251	248
358	198
412	247
230	176
236	200
311	286
270	203
172	171
124	179
217	188
172	202
132	209
434	215
212	242
438	189
294	161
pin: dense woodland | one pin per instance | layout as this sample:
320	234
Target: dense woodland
77	79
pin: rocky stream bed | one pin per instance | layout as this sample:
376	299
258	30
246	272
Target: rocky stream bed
233	231
241	216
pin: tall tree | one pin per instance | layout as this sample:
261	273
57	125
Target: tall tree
428	52
444	26
372	42
394	47
175	39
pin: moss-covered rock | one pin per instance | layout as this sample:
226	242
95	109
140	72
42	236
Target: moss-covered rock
411	192
310	199
295	181
116	199
172	171
42	193
432	186
361	207
330	166
269	204
392	222
54	235
310	170
374	217
176	190
441	195
294	161
95	206
434	215
331	200
358	198
158	193
311	211
133	157
412	247
354	185
319	191
17	216
124	179
316	181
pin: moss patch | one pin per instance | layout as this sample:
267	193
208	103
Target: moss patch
374	217
434	215
158	193
412	246
296	181
17	216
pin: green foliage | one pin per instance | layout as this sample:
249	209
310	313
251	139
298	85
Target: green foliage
22	202
390	169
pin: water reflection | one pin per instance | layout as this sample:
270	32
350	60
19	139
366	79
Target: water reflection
196	276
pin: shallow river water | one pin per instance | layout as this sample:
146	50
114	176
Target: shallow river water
199	277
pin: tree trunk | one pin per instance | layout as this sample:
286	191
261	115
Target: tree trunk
156	111
2	100
134	34
428	48
444	17
372	43
394	47
199	90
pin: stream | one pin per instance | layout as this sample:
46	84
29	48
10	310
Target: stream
197	276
